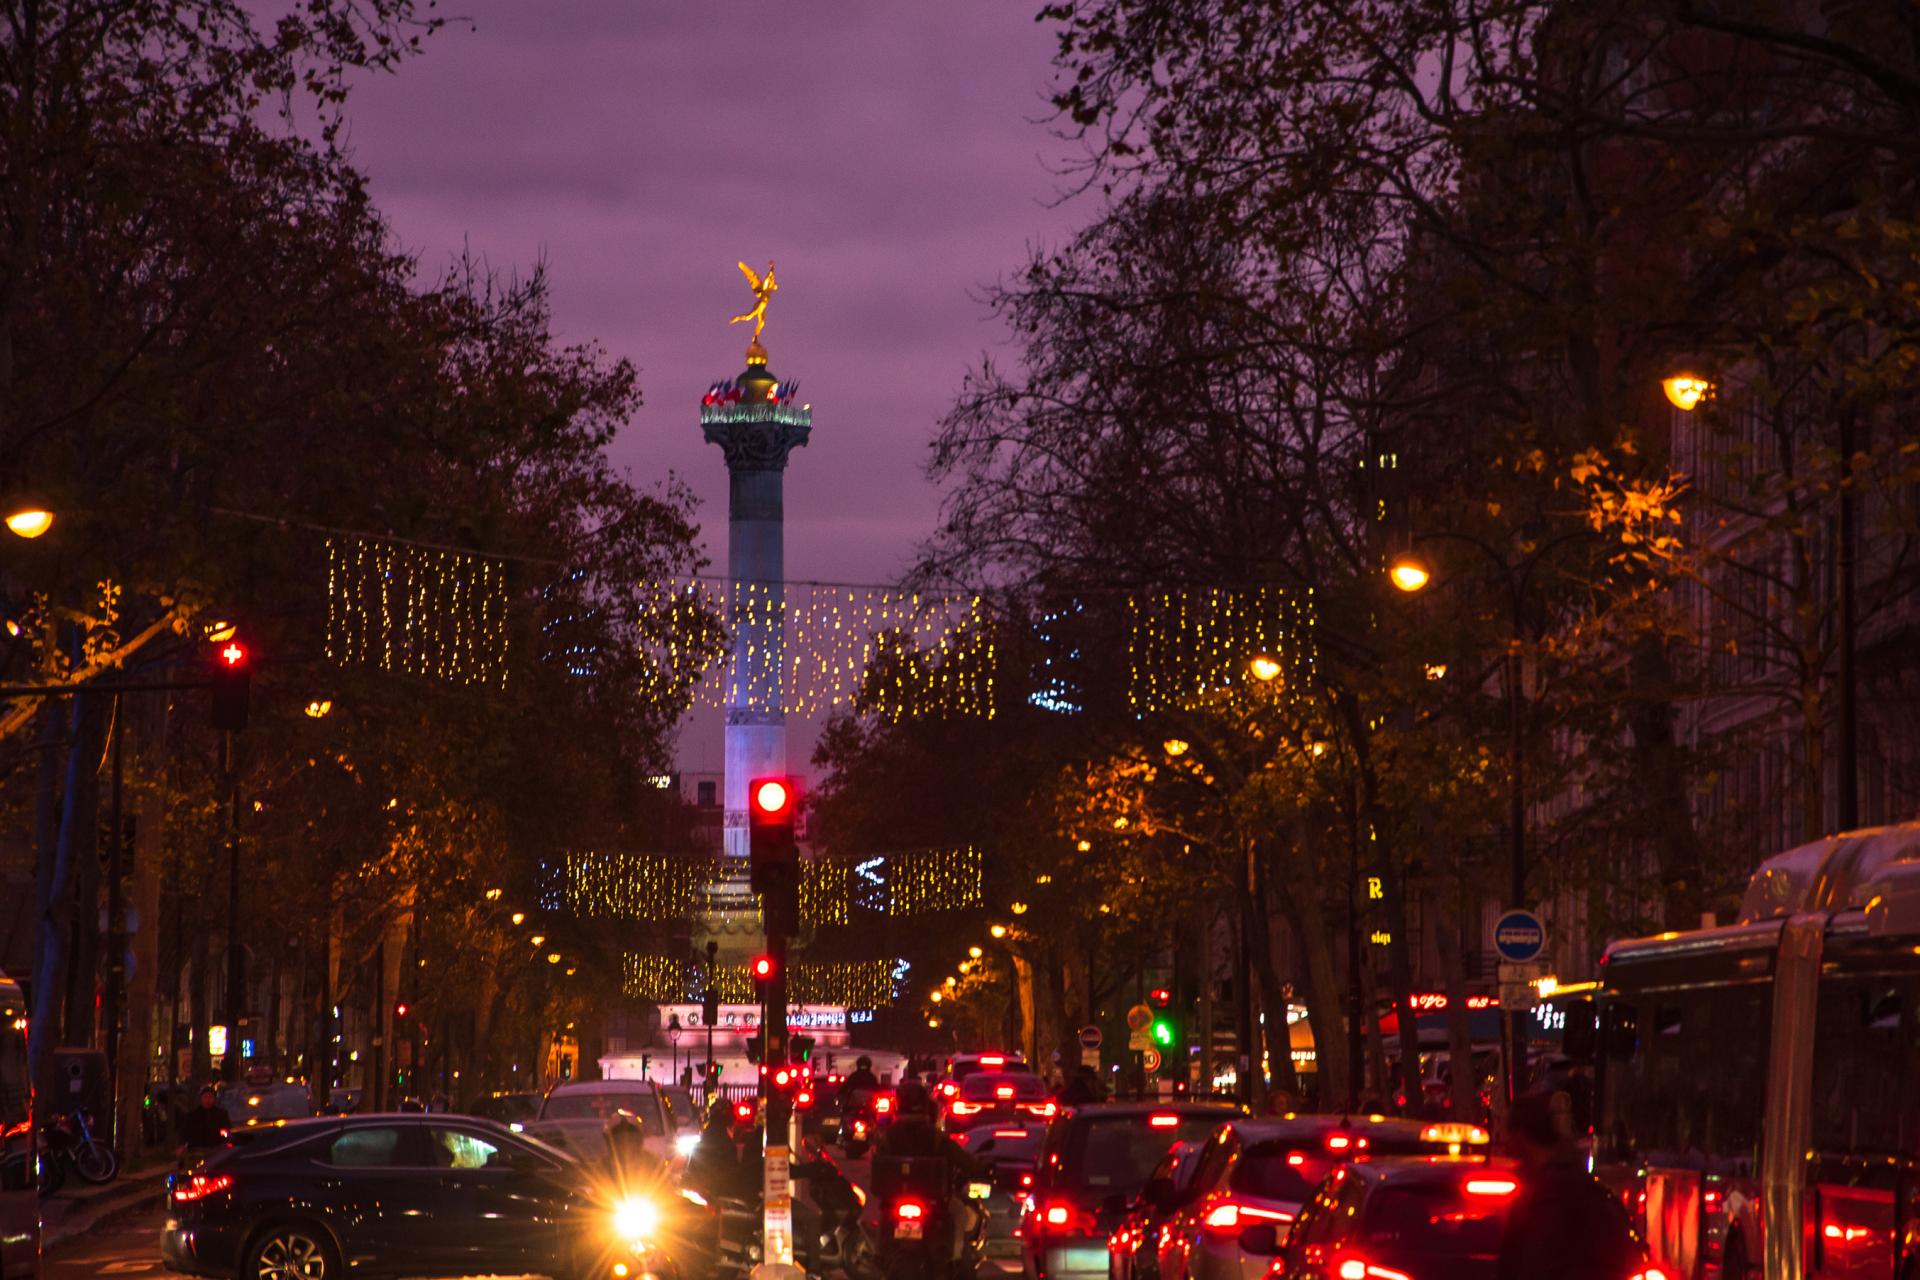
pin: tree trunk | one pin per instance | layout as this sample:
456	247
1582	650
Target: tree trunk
1451	929
1275	1039
1379	1083
1325	1003
1023	986
198	1012
54	877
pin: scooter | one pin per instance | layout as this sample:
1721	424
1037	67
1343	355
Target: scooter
926	1232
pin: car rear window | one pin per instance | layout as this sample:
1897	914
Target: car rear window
985	1086
961	1070
1263	1171
602	1105
1436	1220
1001	1145
1117	1153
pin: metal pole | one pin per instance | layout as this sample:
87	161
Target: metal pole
1847	785
236	958
115	995
1356	1004
1516	1055
775	1193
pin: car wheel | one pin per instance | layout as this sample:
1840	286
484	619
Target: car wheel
291	1251
95	1162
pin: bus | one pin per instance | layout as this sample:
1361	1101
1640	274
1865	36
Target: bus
20	1154
1758	1085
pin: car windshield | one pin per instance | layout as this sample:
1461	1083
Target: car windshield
1264	1171
1116	1153
1436	1220
602	1105
988	1086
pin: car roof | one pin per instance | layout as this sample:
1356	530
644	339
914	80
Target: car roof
604	1086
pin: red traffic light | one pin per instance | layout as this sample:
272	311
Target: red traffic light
763	968
1160	997
743	1111
233	654
400	1010
783	1077
772	797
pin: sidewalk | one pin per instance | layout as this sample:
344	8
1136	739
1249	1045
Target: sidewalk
74	1210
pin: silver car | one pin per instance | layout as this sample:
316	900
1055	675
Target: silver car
574	1117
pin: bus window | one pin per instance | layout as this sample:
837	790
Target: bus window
1690	1094
1866	1066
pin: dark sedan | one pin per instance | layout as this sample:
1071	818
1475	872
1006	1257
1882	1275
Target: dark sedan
1432	1219
413	1195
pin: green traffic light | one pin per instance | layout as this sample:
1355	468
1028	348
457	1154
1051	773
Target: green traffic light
1163	1033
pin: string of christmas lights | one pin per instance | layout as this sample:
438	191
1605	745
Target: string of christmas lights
408	609
630	886
933	880
1190	648
856	984
806	649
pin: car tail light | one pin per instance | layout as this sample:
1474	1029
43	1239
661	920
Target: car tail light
909	1211
200	1186
1164	1120
1491	1186
1713	1200
1009	1133
803	1099
964	1108
949	1088
743	1111
1230	1215
1650	1273
992	1060
1338	1142
883	1106
1062	1218
1296	1158
1361	1269
1026	1179
1045	1110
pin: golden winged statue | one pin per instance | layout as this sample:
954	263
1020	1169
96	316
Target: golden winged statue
763	290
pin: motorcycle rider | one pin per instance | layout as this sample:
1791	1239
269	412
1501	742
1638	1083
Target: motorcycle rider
206	1126
860	1080
914	1134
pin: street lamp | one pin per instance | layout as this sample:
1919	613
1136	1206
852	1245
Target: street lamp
975	952
1686	390
999	930
1177	747
1264	668
1409	574
319	707
518	917
29	520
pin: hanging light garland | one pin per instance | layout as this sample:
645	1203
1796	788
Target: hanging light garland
660	887
417	611
807	649
630	886
857	984
1191	648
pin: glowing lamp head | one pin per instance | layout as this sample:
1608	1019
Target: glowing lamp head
233	654
1264	669
29	522
772	796
1177	747
998	931
1686	390
1409	575
763	968
319	707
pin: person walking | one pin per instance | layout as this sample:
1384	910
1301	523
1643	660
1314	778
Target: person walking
1563	1224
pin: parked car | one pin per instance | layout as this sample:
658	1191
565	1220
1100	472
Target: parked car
249	1105
997	1097
1133	1250
686	1116
1256	1171
411	1194
1380	1219
507	1108
1096	1160
574	1117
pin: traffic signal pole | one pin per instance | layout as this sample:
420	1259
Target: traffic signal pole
774	872
236	958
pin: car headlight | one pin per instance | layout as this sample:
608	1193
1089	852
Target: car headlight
635	1219
687	1143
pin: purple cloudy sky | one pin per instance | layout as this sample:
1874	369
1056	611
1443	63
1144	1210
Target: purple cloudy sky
886	153
889	155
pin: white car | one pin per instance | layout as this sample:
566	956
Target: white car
574	1117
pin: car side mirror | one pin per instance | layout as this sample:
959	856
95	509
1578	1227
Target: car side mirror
1261	1240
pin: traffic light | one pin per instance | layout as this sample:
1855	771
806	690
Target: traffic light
400	1009
802	1047
1160	997
1164	1033
232	684
772	856
710	1007
756	1047
763	968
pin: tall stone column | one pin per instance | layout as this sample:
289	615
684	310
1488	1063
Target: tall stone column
757	424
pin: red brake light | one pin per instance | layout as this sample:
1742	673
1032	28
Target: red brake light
1026	1179
883	1106
964	1108
202	1185
1003	1091
1339	1142
1009	1133
1651	1273
1361	1269
992	1060
1059	1215
1046	1110
1164	1120
949	1088
1491	1187
1062	1217
1296	1158
909	1211
803	1099
1230	1215
743	1111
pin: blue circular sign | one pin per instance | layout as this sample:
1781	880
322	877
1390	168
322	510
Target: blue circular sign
1519	936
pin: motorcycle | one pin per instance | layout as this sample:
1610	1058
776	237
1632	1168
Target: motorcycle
924	1233
67	1142
829	1237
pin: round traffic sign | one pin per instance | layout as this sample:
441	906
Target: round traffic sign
1150	1060
1139	1018
1089	1037
1519	936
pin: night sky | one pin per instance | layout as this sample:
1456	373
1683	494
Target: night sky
891	156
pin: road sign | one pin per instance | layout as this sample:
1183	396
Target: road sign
1089	1037
1150	1060
1518	984
1139	1018
1090	1058
1519	936
1140	1038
